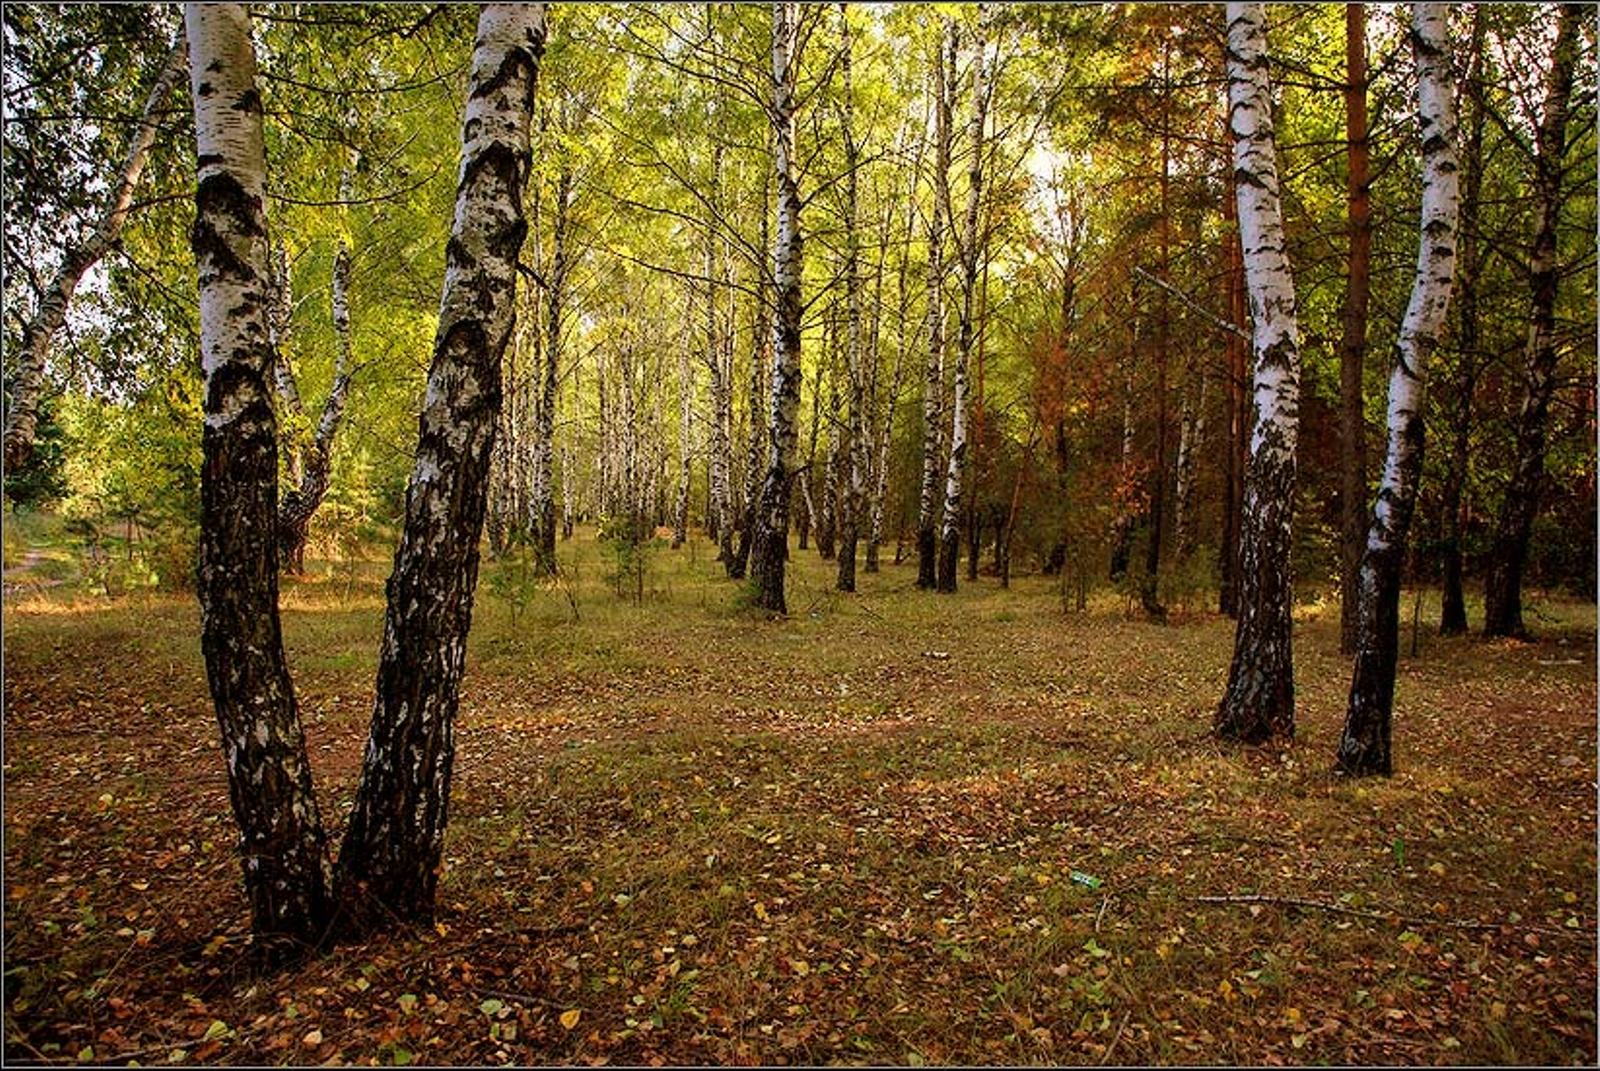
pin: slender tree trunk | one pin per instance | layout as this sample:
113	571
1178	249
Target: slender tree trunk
1452	597
680	509
1238	409
1191	443
391	858
855	490
1122	527
933	385
970	255
1364	747
1149	590
542	504
760	365
770	548
22	415
316	461
1502	607
1353	344
1258	704
269	777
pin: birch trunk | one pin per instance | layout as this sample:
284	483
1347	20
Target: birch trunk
680	508
754	451
852	502
541	498
22	416
1191	443
316	460
1364	747
1259	702
1353	344
269	777
933	385
955	471
1238	409
1502	604
392	857
1452	599
770	547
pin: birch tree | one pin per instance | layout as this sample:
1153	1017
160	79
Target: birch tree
1364	747
770	545
853	503
22	417
971	257
933	380
269	777
1259	701
315	462
1502	603
391	857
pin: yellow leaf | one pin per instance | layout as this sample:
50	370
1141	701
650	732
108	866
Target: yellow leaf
569	1019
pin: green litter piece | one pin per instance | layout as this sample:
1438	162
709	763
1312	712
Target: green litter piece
1078	877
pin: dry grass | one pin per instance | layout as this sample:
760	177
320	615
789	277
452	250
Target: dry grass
847	837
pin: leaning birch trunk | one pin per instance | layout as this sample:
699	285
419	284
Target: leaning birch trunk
541	504
933	382
1364	747
1259	702
1502	591
316	460
269	777
955	473
770	546
22	418
391	858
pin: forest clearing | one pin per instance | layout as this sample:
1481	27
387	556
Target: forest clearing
844	837
971	533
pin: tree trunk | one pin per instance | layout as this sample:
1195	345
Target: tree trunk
1149	590
1238	408
391	858
1191	443
1122	527
680	509
1502	606
955	473
933	385
1259	702
855	490
1452	598
22	416
1353	344
770	548
269	777
541	498
316	461
754	452
1364	747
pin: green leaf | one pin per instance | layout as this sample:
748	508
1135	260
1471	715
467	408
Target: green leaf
491	1006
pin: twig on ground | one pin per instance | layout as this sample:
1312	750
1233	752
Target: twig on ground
1105	1057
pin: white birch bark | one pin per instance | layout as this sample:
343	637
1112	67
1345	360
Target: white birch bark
971	255
1364	747
933	380
391	857
22	418
269	777
770	546
1259	701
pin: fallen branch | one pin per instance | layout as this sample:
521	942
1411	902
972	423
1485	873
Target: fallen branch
1388	916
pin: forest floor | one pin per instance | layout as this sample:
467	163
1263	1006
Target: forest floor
681	833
